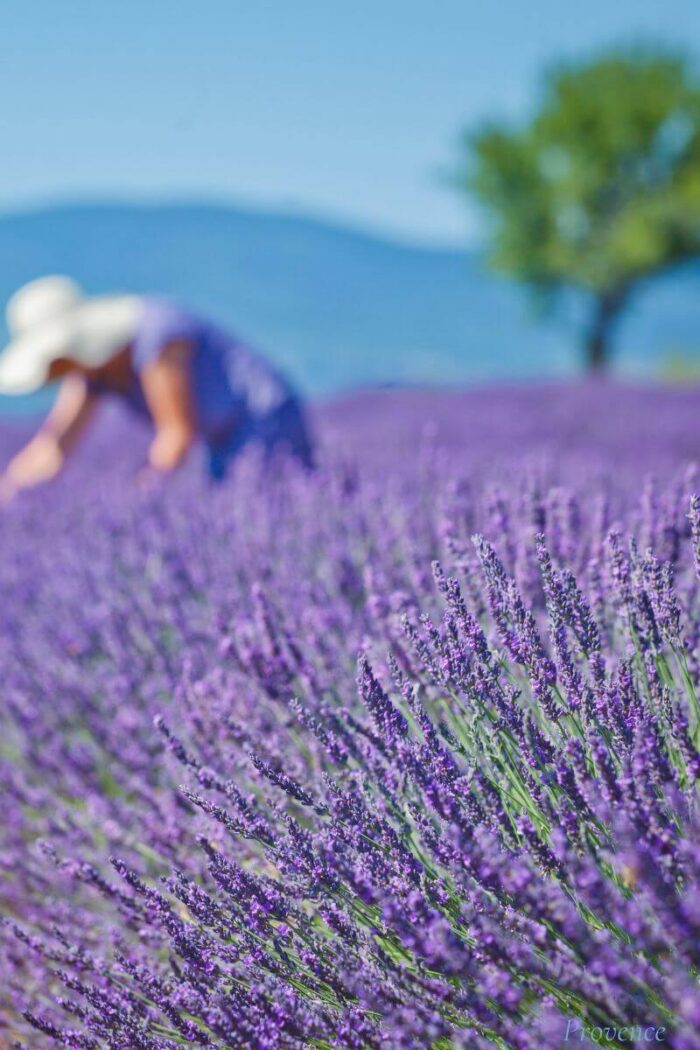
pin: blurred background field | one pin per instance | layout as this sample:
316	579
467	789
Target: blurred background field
615	435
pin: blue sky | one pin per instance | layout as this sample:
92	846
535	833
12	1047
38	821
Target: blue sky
348	110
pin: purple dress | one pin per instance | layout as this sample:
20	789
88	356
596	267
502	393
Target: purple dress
238	397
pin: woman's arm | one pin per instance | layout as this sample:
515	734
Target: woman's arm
166	386
43	457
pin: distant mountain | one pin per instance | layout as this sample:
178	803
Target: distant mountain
336	308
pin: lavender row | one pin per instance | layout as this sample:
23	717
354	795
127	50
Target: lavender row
378	758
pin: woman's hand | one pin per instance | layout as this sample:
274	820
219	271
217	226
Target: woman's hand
40	460
169	447
43	457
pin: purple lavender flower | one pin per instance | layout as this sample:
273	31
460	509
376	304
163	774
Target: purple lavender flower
484	828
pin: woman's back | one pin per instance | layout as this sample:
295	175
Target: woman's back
231	385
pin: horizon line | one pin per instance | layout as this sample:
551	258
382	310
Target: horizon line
269	210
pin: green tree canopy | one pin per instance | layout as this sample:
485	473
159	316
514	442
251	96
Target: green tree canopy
601	190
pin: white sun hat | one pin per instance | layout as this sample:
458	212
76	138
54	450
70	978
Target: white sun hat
50	318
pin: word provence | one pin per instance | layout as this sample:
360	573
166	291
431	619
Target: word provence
612	1034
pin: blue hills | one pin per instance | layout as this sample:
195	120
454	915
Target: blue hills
337	308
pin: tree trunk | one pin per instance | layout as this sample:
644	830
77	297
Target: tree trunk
606	312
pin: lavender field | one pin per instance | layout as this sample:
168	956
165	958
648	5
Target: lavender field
403	754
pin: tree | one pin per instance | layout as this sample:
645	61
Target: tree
601	190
